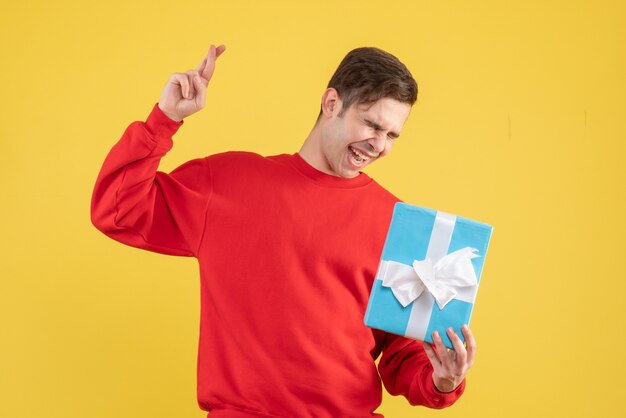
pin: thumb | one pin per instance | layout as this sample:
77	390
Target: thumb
200	92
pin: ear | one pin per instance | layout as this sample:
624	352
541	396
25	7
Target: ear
331	103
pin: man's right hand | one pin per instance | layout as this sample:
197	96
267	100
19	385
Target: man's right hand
185	93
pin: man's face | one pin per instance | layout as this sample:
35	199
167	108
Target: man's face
363	134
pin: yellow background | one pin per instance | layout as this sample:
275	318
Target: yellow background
520	123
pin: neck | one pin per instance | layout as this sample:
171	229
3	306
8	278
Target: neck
311	150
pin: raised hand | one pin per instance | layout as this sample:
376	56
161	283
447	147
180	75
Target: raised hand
451	366
185	93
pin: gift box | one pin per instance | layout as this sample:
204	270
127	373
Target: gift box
429	273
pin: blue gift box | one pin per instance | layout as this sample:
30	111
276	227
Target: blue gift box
417	233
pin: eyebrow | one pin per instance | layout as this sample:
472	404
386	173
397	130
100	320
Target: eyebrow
377	126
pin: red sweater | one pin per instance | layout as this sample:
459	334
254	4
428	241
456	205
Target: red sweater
287	259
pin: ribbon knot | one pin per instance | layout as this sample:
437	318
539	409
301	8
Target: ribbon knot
442	280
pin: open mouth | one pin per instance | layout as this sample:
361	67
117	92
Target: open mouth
359	158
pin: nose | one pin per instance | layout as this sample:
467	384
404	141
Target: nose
377	143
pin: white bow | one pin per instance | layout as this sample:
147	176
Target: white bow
442	280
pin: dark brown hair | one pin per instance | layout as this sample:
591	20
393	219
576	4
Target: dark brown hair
368	74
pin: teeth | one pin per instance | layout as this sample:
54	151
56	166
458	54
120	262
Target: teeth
360	157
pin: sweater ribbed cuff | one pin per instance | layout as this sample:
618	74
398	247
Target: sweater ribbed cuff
436	399
161	127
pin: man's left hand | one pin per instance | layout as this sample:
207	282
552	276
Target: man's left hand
451	366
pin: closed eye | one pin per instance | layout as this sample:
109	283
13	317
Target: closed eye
390	135
373	125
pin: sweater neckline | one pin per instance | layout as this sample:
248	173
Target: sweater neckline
325	179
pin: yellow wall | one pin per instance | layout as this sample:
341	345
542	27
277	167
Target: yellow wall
520	123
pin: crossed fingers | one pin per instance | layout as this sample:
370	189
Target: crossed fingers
207	66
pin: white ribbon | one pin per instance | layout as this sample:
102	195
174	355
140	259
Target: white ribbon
449	275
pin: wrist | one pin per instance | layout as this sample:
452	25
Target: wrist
172	116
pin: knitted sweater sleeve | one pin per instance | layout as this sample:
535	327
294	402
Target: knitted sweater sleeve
139	206
405	370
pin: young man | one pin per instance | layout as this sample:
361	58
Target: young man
288	248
